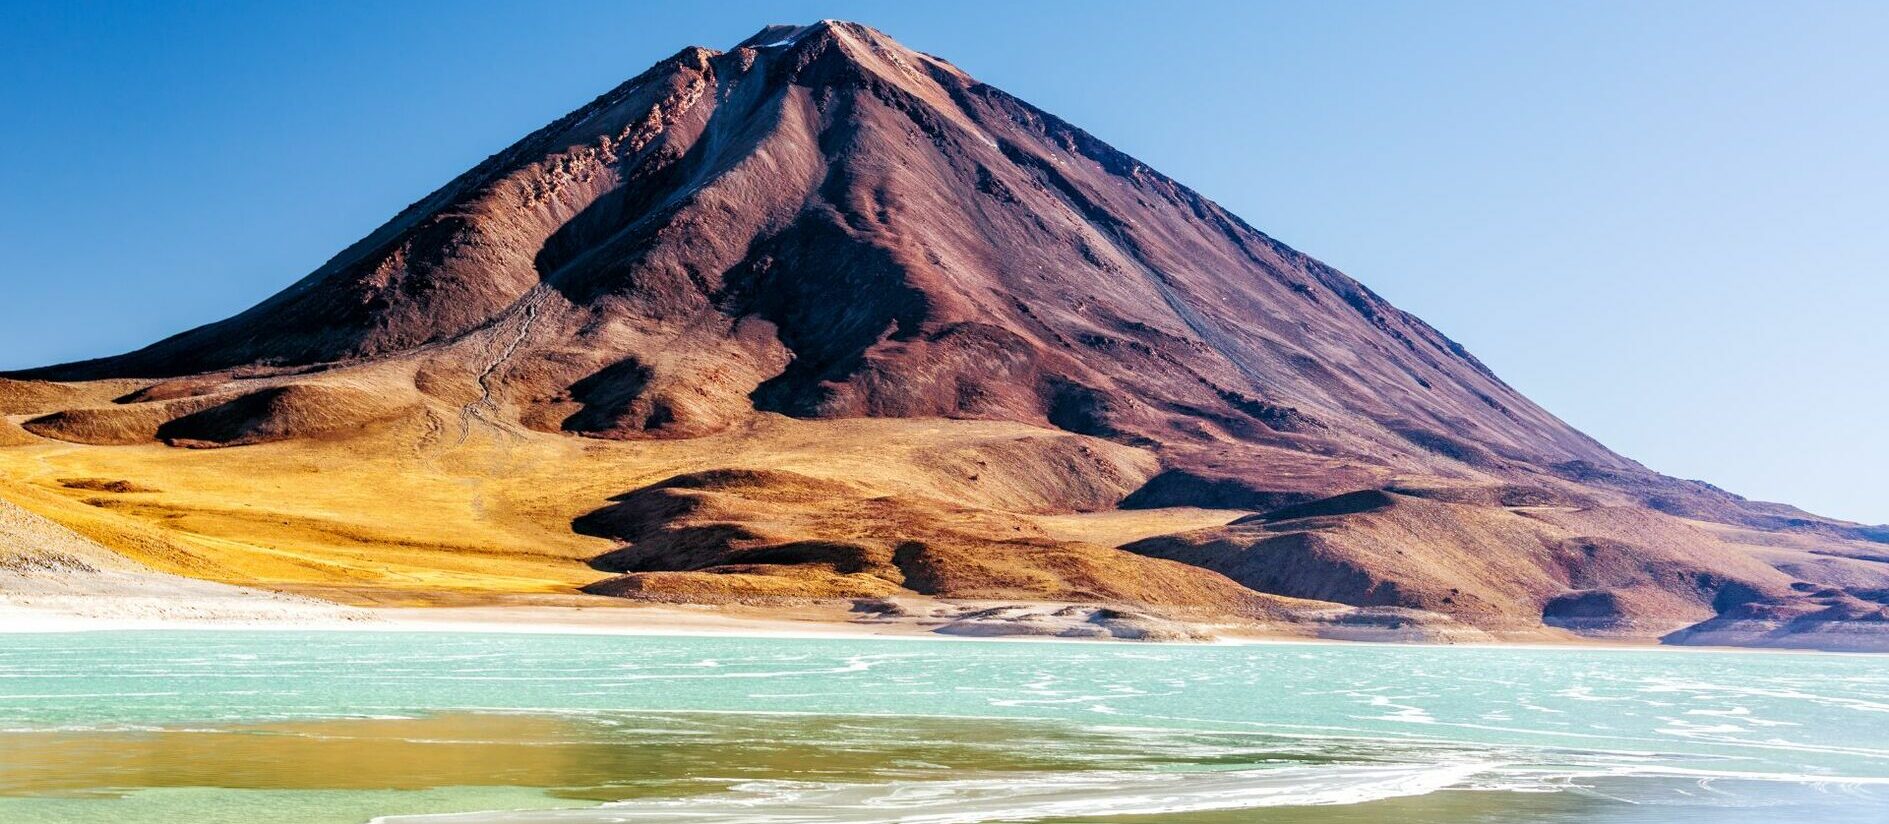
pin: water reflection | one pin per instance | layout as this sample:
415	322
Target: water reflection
573	759
604	756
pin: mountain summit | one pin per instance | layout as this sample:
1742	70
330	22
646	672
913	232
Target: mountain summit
823	224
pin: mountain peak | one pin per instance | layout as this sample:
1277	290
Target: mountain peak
859	45
775	35
785	35
839	226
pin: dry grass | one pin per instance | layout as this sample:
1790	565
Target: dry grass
359	489
405	508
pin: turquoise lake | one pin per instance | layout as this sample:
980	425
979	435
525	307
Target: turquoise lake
448	728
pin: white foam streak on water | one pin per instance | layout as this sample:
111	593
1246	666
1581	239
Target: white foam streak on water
1030	797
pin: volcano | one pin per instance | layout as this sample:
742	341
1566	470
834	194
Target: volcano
1052	352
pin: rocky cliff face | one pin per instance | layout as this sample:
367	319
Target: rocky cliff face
822	223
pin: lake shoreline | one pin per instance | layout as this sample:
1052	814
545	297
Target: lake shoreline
669	620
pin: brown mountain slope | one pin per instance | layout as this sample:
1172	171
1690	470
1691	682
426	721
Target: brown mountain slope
823	224
837	226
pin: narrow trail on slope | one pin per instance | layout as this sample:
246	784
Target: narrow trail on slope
526	317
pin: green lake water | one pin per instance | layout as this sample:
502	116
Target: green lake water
443	728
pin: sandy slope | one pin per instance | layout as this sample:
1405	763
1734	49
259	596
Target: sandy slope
52	577
390	518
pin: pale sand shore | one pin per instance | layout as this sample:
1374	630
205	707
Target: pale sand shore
925	619
37	616
82	614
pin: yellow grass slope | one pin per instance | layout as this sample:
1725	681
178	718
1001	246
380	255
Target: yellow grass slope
422	506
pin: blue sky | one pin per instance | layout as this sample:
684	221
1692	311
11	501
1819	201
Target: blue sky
1664	221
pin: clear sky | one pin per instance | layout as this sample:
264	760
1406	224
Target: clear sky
1667	222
